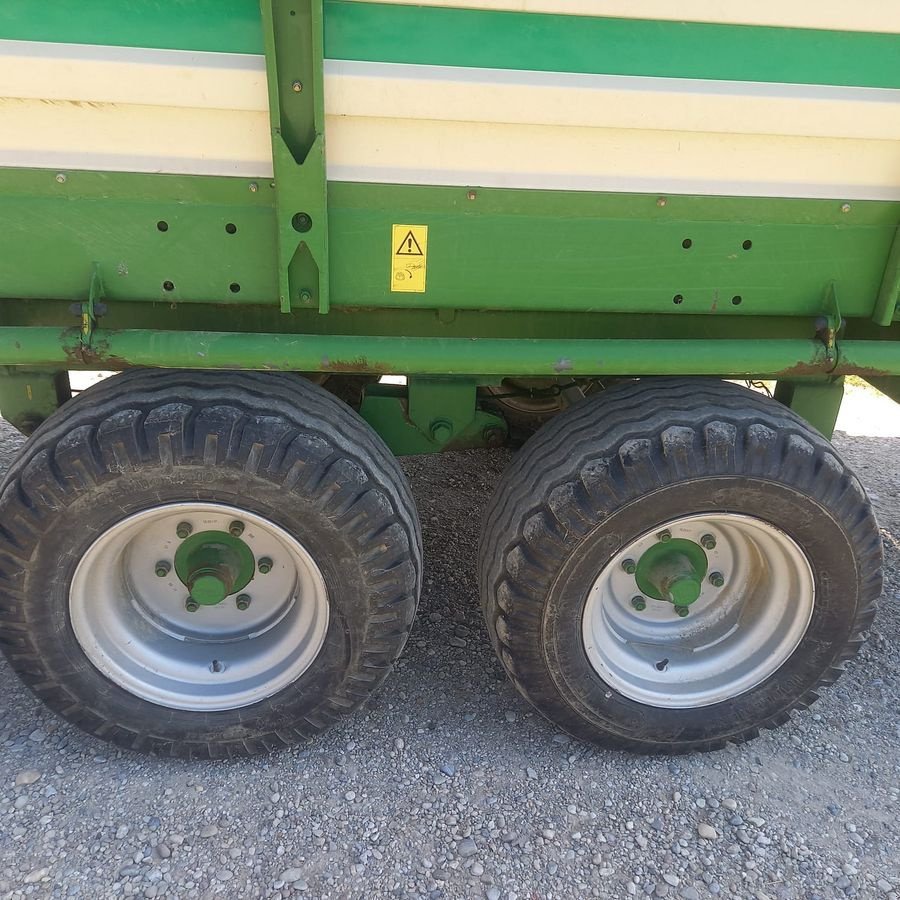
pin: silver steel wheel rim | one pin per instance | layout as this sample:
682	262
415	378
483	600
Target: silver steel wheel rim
134	626
734	637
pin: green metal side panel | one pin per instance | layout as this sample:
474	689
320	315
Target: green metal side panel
211	240
613	252
156	237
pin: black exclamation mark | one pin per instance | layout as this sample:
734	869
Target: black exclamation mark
409	242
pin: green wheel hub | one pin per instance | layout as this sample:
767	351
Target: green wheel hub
673	571
212	565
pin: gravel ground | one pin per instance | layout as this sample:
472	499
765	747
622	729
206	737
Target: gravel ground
449	786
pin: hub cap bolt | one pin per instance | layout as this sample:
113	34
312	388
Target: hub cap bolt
665	536
682	611
629	565
243	601
163	567
717	579
184	530
236	529
708	542
639	603
191	605
265	565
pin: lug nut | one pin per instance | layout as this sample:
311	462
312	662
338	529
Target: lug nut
717	579
665	536
243	601
494	437
682	611
236	529
265	565
184	530
629	565
708	542
191	605
163	567
639	603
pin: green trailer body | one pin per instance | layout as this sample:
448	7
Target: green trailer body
509	204
597	193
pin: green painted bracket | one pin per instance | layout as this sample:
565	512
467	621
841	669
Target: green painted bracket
890	387
430	416
294	41
91	310
29	396
817	400
888	296
829	325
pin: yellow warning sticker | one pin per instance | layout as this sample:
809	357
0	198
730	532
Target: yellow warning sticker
409	259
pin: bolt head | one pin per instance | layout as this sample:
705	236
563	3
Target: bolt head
846	207
708	542
665	536
184	529
254	187
191	605
472	195
630	566
717	579
236	529
163	567
62	178
297	87
265	565
682	611
243	601
639	603
441	431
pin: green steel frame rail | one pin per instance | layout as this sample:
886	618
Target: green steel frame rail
47	346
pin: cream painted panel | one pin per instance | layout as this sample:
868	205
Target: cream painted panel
610	101
597	159
234	82
125	138
90	74
455	126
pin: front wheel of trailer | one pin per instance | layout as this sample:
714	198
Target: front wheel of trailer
206	564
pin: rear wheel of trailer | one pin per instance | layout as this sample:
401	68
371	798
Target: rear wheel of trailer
675	564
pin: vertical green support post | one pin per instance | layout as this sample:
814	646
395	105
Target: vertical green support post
817	401
293	31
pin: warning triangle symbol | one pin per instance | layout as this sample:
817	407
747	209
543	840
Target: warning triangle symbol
409	246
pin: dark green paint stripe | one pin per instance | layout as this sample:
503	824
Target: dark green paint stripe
228	26
459	37
549	43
